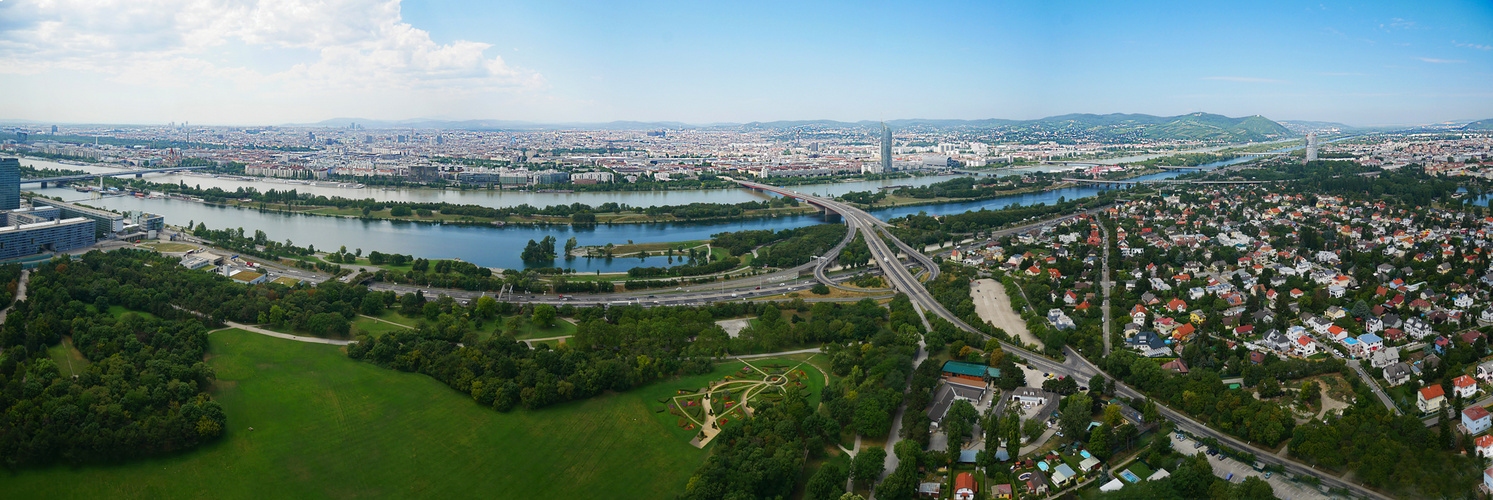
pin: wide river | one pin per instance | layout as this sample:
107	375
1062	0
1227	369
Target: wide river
500	247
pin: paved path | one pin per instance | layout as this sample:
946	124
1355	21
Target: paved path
20	293
532	341
286	336
814	350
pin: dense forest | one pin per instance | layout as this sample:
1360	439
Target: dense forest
143	391
1398	453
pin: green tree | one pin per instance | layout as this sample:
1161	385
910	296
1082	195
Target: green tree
1076	412
373	304
544	315
868	465
820	289
570	245
827	484
959	421
486	307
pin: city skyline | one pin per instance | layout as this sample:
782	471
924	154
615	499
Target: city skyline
266	63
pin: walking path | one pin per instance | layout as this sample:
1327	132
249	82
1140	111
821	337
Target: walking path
532	341
20	294
286	336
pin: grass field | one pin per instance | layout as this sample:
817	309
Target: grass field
68	359
326	426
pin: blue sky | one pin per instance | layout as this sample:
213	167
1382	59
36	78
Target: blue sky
1361	63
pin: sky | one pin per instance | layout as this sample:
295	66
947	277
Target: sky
297	61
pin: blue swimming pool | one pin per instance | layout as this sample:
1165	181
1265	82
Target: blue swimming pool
1129	477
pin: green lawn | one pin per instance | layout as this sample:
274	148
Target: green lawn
169	247
326	426
374	327
68	359
118	311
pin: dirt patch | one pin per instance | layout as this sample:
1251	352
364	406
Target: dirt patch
994	306
733	327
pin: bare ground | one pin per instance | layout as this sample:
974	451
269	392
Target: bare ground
992	304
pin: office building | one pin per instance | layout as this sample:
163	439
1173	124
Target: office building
1311	147
107	222
51	236
10	183
886	149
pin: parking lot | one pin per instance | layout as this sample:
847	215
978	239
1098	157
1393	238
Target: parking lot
1222	467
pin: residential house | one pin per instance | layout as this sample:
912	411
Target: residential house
1382	358
1371	342
1430	399
1062	474
1304	346
1001	491
1373	325
1277	341
1418	328
1397	374
1485	371
964	486
1037	483
1464	386
1476	420
1175	366
1483	445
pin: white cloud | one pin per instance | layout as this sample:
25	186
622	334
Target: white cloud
1441	61
1472	45
1246	79
331	46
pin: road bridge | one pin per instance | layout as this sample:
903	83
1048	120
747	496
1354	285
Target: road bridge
137	173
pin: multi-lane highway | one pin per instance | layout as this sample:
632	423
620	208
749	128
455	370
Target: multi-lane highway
1074	365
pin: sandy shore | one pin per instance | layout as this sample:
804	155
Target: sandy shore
992	304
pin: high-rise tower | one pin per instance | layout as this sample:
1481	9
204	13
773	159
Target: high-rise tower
1311	146
886	148
10	183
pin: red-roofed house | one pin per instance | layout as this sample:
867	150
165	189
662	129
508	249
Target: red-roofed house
1484	445
1182	332
1176	305
1464	386
964	486
1476	420
1430	399
1175	366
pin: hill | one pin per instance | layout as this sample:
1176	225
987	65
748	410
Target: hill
1479	125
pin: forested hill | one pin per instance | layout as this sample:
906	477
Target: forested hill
1479	125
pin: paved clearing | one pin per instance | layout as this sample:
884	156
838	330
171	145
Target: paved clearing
992	304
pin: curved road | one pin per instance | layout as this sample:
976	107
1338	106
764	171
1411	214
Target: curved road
1073	365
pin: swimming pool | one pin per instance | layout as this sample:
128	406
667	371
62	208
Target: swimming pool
1024	476
1084	453
1043	466
1129	477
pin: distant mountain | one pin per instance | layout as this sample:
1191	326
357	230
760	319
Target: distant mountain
422	123
1073	127
1479	125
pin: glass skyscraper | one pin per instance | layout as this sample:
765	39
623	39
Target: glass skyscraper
10	183
886	148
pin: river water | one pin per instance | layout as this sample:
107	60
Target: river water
500	247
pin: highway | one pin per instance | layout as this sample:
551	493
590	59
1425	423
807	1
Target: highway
1073	365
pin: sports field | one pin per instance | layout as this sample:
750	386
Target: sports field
326	426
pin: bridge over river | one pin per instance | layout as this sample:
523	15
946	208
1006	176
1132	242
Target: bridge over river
83	177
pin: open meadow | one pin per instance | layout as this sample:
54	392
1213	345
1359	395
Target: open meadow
325	426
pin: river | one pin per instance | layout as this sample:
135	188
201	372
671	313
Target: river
500	247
